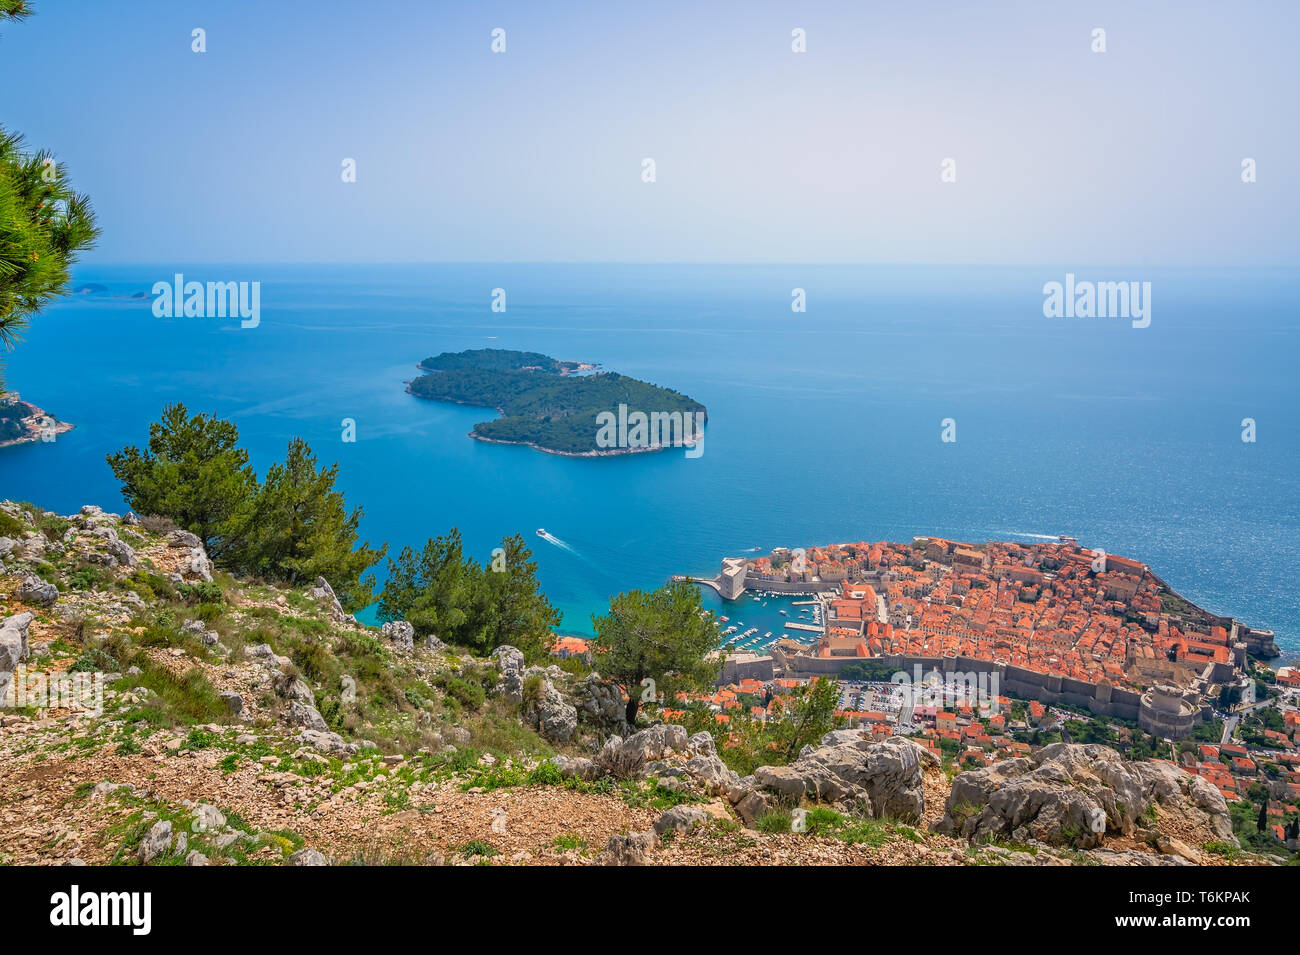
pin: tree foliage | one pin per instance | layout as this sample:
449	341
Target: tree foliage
810	715
662	635
299	529
44	223
193	472
294	527
519	612
436	590
441	592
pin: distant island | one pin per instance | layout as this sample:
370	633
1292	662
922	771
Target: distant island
22	422
561	407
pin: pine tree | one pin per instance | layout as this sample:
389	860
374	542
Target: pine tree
193	472
519	613
438	592
44	223
662	635
299	529
808	717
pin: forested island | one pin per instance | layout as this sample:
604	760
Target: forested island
562	407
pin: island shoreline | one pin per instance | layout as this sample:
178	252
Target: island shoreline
34	423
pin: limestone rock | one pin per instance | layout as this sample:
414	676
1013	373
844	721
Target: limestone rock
305	715
548	709
570	767
183	539
121	552
308	857
751	806
680	819
326	742
209	817
600	705
627	759
510	663
632	849
401	633
33	590
297	689
13	640
1074	794
156	842
1190	797
884	778
324	593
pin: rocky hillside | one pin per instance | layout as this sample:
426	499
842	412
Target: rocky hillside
246	724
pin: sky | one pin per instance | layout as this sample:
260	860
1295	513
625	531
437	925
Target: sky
1063	155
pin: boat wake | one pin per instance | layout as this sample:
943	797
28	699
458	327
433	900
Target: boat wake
552	539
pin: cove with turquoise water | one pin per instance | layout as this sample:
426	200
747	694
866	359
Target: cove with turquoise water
824	426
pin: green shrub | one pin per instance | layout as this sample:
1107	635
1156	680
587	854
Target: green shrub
477	848
88	577
546	774
96	660
822	821
469	695
200	739
208	612
204	592
533	689
52	526
11	526
773	821
189	698
150	586
330	709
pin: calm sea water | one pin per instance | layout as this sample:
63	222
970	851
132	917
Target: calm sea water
823	426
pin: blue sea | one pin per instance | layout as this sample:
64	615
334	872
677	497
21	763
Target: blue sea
824	426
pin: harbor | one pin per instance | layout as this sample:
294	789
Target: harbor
759	619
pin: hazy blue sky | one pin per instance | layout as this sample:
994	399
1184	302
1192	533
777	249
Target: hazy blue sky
1064	156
